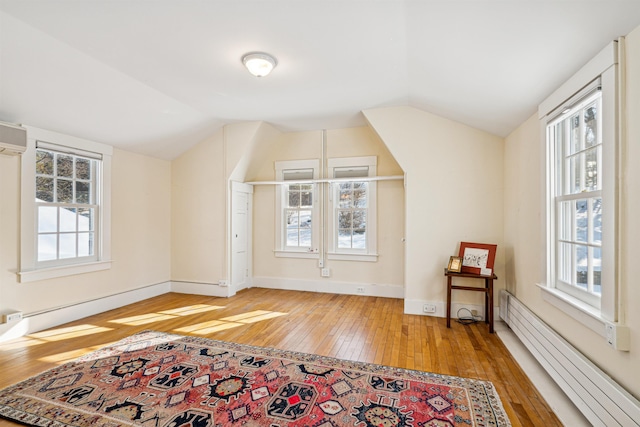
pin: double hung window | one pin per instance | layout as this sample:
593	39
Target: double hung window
581	121
343	221
66	215
352	206
67	207
298	211
297	204
576	141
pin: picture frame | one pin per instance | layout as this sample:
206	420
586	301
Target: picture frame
455	264
477	258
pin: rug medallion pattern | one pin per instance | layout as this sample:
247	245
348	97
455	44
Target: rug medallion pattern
156	379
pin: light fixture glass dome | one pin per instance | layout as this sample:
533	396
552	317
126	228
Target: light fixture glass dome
259	64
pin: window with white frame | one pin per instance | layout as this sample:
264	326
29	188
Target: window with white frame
65	206
581	121
352	208
575	144
297	208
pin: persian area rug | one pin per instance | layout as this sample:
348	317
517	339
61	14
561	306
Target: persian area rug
156	379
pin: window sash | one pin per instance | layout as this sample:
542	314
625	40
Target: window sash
351	216
67	230
297	208
298	218
30	270
352	206
576	183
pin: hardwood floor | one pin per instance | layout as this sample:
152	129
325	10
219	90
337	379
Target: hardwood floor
366	329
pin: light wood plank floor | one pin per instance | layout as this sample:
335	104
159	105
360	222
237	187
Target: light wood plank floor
366	329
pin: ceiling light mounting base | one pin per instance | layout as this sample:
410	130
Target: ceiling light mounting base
259	64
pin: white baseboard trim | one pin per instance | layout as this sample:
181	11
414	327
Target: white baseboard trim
329	286
417	307
57	316
208	289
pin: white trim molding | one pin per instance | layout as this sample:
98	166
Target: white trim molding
198	288
39	321
29	269
330	286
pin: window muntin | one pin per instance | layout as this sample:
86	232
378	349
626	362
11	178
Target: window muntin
66	203
30	269
352	206
576	143
351	211
297	215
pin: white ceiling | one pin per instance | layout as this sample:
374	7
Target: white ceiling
157	77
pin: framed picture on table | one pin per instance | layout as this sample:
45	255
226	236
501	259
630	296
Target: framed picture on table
477	258
455	264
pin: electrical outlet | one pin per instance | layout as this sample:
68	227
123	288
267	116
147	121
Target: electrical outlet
474	313
12	317
223	282
429	308
360	290
326	272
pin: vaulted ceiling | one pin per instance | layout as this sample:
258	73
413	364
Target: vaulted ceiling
157	77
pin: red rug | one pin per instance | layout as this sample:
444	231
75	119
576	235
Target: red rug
156	379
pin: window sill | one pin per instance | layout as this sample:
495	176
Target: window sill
616	334
588	315
353	257
291	254
67	270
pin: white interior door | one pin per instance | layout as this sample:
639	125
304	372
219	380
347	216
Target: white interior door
241	201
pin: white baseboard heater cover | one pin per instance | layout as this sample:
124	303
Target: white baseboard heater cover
600	399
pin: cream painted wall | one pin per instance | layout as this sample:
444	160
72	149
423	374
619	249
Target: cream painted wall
198	189
141	205
247	148
141	221
454	193
9	233
290	146
524	209
524	234
388	270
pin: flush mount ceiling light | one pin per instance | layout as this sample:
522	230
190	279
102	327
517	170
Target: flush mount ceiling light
259	64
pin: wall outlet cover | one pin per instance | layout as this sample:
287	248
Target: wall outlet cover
12	317
429	308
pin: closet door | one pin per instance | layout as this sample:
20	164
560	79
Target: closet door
241	201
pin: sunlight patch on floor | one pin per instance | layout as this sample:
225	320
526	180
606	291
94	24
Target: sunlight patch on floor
143	319
21	342
261	317
218	328
68	356
147	318
253	316
68	333
195	327
208	327
192	309
230	322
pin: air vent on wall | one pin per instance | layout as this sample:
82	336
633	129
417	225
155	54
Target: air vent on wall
13	139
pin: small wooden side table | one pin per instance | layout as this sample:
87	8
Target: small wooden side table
488	294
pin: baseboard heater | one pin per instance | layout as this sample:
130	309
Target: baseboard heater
600	399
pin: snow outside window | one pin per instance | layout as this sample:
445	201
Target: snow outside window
297	217
352	208
576	141
66	218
